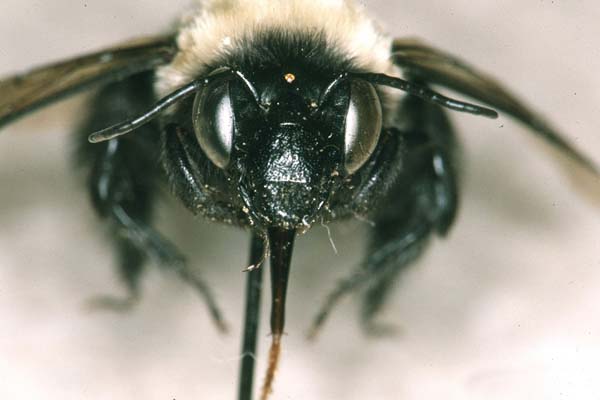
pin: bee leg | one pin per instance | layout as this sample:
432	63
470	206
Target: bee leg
121	199
127	207
391	250
420	201
123	177
131	263
377	273
400	233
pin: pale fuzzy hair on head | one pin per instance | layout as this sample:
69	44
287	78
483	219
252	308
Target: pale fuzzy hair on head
218	25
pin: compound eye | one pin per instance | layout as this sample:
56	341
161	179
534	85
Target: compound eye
363	125
214	123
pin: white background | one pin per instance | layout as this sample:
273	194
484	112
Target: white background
506	308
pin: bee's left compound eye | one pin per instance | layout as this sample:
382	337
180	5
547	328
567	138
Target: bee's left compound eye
214	122
363	125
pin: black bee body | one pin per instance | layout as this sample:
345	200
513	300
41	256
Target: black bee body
412	166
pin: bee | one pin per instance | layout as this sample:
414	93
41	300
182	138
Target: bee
239	91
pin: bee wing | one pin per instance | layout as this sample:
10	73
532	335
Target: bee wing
26	92
421	61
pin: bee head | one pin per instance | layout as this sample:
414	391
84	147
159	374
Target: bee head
287	138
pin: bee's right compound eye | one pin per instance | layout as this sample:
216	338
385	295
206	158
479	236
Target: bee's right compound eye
213	121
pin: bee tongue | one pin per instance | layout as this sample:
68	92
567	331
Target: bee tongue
281	244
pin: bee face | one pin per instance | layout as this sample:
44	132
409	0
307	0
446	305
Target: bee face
286	127
271	138
288	142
